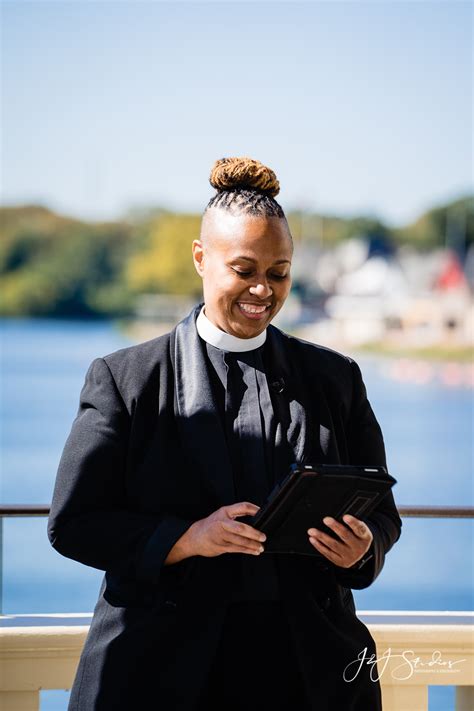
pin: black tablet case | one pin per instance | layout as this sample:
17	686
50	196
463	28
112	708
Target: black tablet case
311	492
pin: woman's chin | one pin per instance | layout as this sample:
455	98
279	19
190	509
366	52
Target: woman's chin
247	328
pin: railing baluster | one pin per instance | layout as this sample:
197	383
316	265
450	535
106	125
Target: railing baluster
464	698
20	700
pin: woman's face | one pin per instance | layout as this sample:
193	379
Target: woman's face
244	263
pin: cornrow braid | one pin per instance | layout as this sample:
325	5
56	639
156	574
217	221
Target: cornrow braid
245	185
250	202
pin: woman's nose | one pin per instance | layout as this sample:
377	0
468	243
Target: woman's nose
262	290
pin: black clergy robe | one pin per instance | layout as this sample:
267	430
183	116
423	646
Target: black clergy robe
146	457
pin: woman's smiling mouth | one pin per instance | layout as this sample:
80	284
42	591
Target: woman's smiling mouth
253	311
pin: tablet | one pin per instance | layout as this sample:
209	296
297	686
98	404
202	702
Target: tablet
312	491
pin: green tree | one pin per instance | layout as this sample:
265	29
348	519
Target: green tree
165	264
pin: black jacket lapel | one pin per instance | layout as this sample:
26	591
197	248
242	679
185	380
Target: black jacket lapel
196	411
298	404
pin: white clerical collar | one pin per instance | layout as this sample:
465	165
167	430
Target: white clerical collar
220	339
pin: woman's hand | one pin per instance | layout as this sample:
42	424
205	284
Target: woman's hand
220	533
353	543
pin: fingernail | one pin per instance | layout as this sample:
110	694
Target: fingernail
311	531
263	538
327	520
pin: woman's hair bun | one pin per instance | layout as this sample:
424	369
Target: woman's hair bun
234	173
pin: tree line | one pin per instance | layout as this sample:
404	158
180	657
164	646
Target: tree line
54	265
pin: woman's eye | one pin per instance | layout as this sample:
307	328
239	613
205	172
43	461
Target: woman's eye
246	274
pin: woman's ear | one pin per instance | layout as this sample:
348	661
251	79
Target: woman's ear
198	256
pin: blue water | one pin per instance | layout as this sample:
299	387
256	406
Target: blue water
427	430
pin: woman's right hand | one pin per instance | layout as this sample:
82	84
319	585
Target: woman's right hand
219	533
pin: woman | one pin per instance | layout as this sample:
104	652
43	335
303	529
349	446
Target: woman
178	438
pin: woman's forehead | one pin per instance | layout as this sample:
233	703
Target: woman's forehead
242	234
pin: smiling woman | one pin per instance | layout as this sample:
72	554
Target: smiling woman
175	440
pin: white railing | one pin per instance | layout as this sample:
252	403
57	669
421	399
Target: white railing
414	650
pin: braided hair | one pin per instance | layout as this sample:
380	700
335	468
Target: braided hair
245	185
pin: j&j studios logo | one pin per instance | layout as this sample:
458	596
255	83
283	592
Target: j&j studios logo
409	664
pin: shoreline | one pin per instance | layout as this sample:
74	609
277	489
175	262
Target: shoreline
144	330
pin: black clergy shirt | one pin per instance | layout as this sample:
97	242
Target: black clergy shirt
243	399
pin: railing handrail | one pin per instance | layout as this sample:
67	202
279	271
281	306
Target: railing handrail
7	510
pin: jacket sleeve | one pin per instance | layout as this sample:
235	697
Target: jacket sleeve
366	446
90	519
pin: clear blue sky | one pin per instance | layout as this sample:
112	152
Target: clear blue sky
359	107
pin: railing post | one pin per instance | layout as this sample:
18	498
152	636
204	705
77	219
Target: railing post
464	698
19	700
396	698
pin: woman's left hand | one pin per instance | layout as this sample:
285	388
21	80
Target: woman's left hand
351	545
